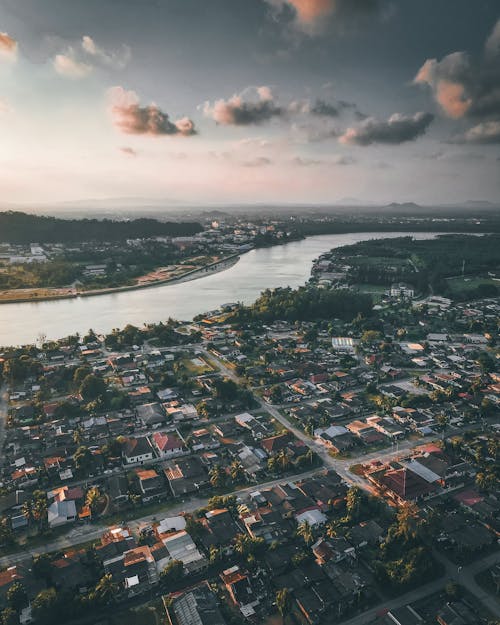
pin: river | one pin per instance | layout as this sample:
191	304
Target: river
282	265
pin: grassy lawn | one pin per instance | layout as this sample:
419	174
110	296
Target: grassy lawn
147	614
375	290
196	365
356	469
379	261
467	284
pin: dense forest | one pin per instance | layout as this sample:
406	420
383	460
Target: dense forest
396	224
304	304
22	228
427	264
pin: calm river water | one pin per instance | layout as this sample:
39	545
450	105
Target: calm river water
284	265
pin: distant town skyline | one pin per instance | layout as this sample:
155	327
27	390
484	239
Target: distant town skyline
249	101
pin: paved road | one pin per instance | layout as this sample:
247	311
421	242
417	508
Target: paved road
86	533
465	577
3	415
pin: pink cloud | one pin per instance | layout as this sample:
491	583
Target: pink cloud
66	65
309	12
131	118
238	111
463	85
452	99
8	47
312	16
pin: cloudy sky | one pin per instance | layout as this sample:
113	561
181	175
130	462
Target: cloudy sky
208	101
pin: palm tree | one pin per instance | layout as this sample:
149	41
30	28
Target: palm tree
442	420
236	471
284	602
82	458
40	507
331	529
106	589
408	520
92	499
492	447
305	531
241	543
283	460
217	476
27	510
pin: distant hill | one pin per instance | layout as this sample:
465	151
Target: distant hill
403	206
22	228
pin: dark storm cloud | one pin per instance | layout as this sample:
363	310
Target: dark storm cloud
325	109
239	111
396	130
321	108
130	118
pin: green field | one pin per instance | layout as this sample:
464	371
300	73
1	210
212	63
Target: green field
460	284
196	365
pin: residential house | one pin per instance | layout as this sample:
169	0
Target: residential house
137	450
168	444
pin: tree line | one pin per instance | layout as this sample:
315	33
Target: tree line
306	303
23	228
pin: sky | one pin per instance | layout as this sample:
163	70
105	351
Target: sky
249	101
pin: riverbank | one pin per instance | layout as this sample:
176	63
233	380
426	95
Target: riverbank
256	271
188	276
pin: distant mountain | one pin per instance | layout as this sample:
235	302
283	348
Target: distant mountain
404	206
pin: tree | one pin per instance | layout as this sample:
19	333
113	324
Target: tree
217	476
354	503
486	480
225	390
40	507
370	336
283	460
193	528
82	459
332	529
92	499
275	394
236	471
284	602
442	420
214	554
9	617
17	597
486	362
246	545
173	572
42	567
44	605
92	387
105	590
80	374
305	531
27	510
202	410
6	535
408	521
